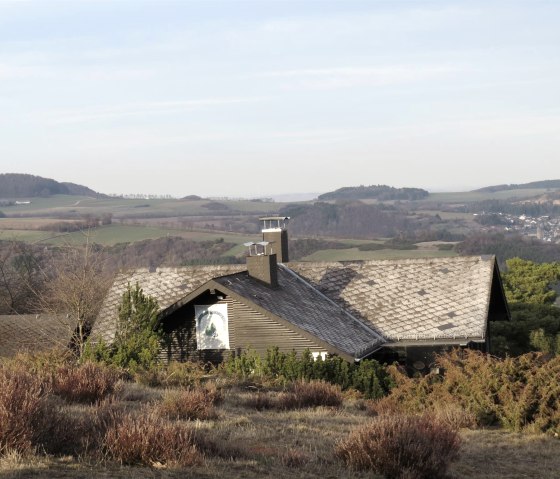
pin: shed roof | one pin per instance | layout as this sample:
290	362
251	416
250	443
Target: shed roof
30	332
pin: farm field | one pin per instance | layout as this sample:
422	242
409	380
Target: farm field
113	234
29	236
118	233
77	206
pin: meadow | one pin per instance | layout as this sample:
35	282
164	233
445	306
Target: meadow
186	421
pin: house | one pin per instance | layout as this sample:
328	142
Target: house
34	333
390	310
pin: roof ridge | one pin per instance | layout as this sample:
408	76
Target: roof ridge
461	258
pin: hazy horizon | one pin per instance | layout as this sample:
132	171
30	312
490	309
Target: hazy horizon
265	98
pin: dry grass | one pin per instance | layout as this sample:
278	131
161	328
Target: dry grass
299	395
300	443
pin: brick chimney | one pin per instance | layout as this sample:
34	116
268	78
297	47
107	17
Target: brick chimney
274	230
262	264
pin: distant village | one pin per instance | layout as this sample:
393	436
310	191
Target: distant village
544	228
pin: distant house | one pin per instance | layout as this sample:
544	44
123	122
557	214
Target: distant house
390	310
34	333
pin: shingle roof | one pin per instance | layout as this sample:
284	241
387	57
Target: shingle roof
414	299
407	299
299	303
167	285
30	332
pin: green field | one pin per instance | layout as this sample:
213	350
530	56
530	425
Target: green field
60	205
29	236
113	234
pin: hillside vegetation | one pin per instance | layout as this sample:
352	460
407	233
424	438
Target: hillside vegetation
19	185
379	192
523	186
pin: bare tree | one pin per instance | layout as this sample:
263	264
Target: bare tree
77	283
20	277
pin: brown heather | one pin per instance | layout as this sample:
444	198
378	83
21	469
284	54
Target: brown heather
401	447
147	439
275	436
194	403
23	409
86	383
302	394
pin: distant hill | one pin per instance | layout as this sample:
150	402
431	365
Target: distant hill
379	192
19	185
523	186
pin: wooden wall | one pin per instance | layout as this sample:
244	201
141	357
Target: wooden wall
247	329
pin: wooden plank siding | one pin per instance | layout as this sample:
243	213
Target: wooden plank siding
247	329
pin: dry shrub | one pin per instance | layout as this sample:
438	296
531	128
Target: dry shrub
399	447
195	403
43	363
310	394
79	431
135	392
23	409
187	374
148	439
174	374
259	401
86	383
455	416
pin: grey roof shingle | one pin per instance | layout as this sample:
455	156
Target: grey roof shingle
35	333
408	299
411	299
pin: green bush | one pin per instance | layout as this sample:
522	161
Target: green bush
368	377
518	393
138	338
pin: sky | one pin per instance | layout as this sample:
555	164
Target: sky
258	98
